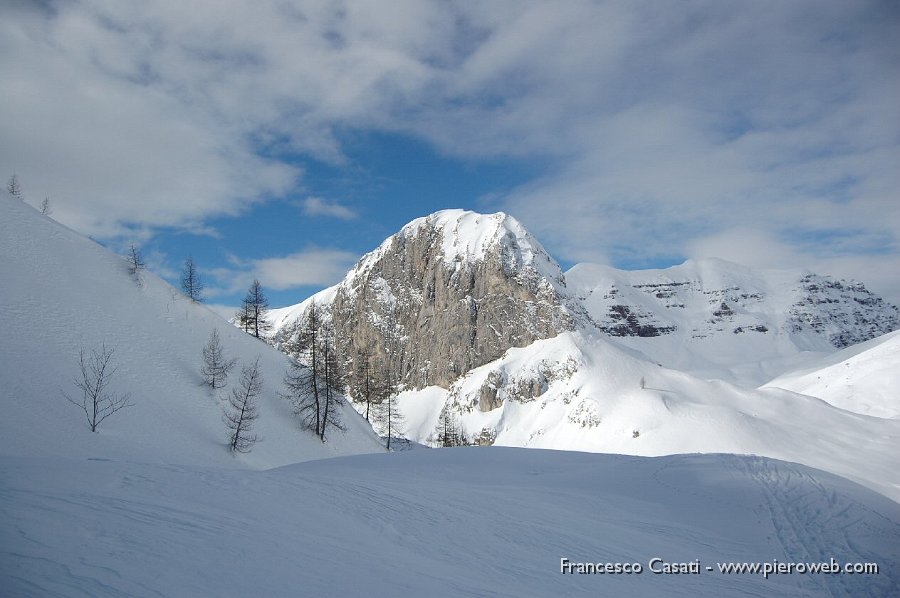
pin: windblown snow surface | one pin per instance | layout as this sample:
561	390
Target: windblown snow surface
451	522
154	505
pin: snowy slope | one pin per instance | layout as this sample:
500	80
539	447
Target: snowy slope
60	291
455	522
864	378
580	392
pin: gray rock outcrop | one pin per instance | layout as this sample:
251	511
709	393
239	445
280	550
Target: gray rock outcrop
449	293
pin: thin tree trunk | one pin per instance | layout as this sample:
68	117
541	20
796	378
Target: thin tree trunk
327	393
315	386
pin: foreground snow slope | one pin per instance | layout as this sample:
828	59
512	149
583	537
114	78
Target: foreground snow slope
454	522
59	292
863	378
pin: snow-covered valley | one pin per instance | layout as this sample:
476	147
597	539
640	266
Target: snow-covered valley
155	504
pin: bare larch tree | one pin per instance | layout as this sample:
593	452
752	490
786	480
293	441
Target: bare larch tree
190	281
93	380
215	365
334	382
135	261
315	381
242	410
254	307
14	188
362	387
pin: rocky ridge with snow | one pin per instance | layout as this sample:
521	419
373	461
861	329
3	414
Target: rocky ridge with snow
455	290
721	297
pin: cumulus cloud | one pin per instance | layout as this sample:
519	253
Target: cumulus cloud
316	206
312	267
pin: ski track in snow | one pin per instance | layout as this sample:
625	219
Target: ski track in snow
811	524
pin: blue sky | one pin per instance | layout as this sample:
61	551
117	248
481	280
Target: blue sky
282	140
341	212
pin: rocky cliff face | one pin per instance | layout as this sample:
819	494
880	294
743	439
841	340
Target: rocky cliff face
448	293
844	312
706	299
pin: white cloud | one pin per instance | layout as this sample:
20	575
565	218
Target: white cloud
750	247
162	114
312	267
88	123
316	206
772	120
656	128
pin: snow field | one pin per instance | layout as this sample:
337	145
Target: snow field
470	522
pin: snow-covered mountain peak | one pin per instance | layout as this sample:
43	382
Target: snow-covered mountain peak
460	288
484	283
466	235
462	239
470	236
